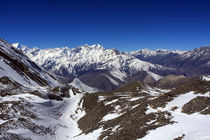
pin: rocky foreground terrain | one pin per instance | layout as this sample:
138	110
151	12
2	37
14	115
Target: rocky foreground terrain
135	111
34	105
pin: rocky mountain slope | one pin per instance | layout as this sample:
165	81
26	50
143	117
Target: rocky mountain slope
107	69
31	100
104	69
191	63
32	110
17	66
31	113
173	81
138	111
135	111
156	56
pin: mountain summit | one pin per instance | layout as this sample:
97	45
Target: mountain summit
109	67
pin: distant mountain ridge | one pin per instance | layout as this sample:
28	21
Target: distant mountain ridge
191	63
107	69
156	56
95	66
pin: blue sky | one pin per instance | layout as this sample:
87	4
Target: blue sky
123	24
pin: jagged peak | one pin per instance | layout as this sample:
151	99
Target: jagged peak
94	46
88	58
21	47
17	66
16	45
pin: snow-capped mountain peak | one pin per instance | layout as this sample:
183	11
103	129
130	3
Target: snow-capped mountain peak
17	66
20	47
75	62
147	52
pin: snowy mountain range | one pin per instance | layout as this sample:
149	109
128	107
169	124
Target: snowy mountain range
95	63
191	63
34	105
107	69
156	56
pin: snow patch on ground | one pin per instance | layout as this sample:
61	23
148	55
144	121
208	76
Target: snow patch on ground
135	98
134	106
69	128
2	121
110	116
206	78
155	91
111	102
194	126
101	98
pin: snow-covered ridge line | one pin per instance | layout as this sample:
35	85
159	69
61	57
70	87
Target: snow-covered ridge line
73	61
17	66
148	52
